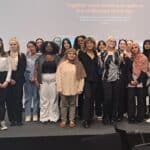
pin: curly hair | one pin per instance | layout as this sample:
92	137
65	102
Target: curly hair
55	48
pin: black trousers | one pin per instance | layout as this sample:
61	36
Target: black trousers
14	102
146	110
2	104
132	109
111	99
80	105
88	100
2	96
99	99
123	98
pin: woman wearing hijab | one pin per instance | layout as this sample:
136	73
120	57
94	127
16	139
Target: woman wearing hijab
137	75
70	82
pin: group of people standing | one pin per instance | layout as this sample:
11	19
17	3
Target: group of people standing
65	82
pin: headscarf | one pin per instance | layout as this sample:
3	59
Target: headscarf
80	71
140	62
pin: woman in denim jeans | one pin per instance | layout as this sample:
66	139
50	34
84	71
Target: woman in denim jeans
30	89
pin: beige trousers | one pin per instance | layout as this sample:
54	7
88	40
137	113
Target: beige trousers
68	103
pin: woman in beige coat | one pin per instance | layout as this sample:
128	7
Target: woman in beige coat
70	82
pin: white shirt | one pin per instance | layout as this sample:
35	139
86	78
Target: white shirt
5	65
14	60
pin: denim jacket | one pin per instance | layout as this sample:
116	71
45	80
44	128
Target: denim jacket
29	72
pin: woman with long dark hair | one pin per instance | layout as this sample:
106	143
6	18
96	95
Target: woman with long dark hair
66	44
79	46
39	43
146	52
146	48
5	76
79	43
101	46
122	105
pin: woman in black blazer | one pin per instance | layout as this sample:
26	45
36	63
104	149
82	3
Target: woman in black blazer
15	90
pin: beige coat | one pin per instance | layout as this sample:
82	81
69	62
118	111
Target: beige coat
66	81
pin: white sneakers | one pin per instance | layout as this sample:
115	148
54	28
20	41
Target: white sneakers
148	120
28	118
99	118
35	118
3	126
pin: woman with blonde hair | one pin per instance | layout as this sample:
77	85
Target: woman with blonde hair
111	77
70	81
15	90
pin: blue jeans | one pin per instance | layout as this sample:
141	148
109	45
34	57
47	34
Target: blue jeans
31	95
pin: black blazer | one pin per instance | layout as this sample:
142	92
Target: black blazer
18	75
90	65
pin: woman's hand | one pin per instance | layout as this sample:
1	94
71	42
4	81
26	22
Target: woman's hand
148	74
27	52
79	92
60	92
4	85
33	80
110	53
13	82
37	84
134	83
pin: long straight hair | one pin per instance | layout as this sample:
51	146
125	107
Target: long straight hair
2	51
63	48
76	45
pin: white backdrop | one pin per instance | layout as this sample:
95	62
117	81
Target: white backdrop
30	19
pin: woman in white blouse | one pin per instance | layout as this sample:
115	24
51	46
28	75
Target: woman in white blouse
5	75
